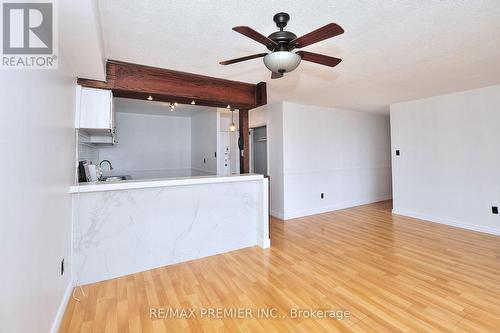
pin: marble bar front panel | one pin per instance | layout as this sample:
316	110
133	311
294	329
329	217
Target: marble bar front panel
116	233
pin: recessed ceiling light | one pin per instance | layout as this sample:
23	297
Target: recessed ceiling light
150	98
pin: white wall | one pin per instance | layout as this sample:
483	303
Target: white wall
343	154
37	142
149	142
312	150
204	137
81	38
259	116
448	170
272	116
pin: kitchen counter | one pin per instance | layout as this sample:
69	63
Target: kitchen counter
129	226
159	182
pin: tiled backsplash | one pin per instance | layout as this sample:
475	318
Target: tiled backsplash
87	151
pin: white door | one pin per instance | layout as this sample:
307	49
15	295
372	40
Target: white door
225	156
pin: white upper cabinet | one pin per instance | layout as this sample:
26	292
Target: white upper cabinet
94	109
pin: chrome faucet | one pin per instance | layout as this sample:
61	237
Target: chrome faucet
110	165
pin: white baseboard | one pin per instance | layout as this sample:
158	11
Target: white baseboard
62	307
450	222
344	205
278	215
265	243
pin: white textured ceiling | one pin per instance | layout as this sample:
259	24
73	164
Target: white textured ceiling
392	50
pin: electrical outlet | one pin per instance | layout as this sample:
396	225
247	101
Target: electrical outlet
62	267
397	152
322	195
494	210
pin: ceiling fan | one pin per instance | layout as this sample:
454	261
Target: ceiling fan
281	43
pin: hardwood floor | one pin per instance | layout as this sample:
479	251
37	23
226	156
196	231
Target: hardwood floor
392	273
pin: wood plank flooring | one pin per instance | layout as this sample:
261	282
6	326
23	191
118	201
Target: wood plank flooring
392	273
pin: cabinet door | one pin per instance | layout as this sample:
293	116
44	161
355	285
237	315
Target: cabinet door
96	109
112	113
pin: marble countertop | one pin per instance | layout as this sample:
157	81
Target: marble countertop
160	182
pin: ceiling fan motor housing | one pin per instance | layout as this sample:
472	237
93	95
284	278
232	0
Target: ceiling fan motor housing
283	39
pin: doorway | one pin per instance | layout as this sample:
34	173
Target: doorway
259	150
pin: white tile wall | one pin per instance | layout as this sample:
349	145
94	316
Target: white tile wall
87	151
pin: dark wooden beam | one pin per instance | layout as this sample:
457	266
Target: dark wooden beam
260	94
93	83
138	81
245	136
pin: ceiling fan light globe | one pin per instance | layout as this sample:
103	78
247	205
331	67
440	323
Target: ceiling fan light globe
282	61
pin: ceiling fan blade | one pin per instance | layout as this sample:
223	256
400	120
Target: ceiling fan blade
276	75
319	58
250	33
328	31
232	61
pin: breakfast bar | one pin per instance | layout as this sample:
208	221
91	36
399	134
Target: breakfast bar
129	226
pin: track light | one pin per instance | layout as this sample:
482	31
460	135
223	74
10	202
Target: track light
172	106
150	98
193	102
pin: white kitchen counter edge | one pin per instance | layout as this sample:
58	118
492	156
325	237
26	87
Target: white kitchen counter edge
162	182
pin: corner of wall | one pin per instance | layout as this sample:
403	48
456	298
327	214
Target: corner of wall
62	307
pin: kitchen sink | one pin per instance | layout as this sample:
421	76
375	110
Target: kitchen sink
114	178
